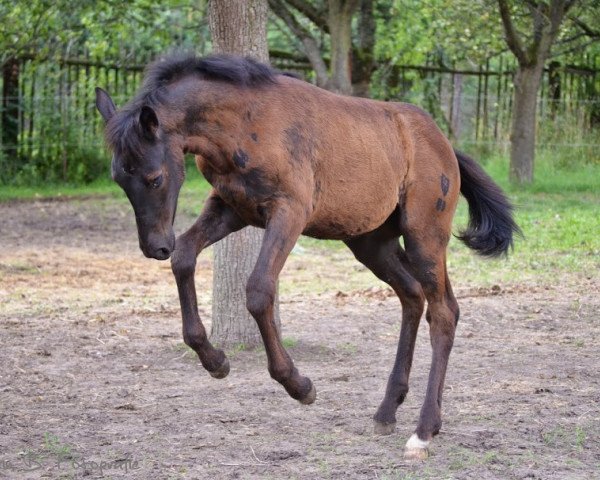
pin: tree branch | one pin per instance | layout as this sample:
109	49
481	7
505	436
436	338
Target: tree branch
586	29
512	37
569	4
319	18
576	48
311	48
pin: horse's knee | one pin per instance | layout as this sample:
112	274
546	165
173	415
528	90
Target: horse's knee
413	296
259	298
183	262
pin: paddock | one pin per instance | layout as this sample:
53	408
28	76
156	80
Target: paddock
94	375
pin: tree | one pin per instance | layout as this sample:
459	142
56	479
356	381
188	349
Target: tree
238	27
306	20
545	19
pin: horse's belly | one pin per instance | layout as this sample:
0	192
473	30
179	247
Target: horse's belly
340	216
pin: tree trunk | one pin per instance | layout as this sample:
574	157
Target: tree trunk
546	19
363	56
340	30
238	27
527	83
10	113
455	118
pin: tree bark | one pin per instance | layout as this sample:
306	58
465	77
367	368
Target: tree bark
455	118
237	27
10	111
363	56
340	30
546	19
337	22
527	83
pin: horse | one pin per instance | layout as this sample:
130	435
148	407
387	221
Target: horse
291	158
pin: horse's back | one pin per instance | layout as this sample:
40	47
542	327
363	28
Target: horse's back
363	156
355	158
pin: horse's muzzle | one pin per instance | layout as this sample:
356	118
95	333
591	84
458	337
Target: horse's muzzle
160	253
159	249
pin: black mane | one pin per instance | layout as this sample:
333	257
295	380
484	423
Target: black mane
123	133
241	71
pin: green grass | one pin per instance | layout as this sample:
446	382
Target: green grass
566	437
102	187
560	218
289	342
194	188
54	446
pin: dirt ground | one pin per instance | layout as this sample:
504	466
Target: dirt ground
95	381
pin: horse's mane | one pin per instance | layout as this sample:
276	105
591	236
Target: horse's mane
240	71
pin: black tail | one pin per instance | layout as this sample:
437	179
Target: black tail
491	224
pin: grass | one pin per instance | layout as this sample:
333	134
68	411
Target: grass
101	187
289	342
194	187
461	458
54	446
559	216
565	437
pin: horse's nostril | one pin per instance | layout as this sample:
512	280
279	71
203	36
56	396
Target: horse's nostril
163	253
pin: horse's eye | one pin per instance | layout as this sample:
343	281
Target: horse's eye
128	169
156	182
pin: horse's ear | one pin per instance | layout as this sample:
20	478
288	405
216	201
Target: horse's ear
104	104
148	122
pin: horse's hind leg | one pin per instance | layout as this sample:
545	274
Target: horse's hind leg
380	251
283	229
426	253
216	222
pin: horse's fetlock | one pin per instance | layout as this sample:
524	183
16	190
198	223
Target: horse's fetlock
280	373
402	393
194	341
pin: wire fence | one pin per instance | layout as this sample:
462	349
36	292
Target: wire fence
50	128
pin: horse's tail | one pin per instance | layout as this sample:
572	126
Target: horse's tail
491	224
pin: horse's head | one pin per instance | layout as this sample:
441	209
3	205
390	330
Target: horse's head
148	165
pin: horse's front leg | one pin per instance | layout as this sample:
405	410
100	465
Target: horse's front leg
216	222
283	229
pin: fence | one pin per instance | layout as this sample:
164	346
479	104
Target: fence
49	122
51	131
475	106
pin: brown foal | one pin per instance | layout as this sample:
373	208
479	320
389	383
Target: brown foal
294	159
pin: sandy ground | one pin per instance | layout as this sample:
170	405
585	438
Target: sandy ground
95	381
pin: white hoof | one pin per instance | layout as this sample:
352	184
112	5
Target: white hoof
416	449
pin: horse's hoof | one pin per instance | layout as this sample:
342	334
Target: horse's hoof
416	454
383	428
311	397
416	449
222	371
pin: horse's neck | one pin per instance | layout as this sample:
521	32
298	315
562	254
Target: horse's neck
213	111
